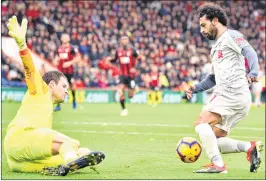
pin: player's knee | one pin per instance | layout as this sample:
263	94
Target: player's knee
120	92
208	117
131	93
76	143
83	151
122	97
219	133
130	96
201	120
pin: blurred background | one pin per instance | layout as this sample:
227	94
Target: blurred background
166	34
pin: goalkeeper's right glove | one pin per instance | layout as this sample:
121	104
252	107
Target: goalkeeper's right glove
18	32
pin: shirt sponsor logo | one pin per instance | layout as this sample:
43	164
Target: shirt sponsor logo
240	40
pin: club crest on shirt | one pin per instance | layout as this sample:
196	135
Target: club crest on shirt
219	54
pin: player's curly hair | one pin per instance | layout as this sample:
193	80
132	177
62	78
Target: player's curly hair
52	75
212	10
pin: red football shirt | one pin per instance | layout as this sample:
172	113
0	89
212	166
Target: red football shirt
66	54
154	79
127	60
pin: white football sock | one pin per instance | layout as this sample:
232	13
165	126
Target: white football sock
257	101
209	143
228	145
69	151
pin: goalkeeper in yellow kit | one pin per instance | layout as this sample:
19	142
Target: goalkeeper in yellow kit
31	145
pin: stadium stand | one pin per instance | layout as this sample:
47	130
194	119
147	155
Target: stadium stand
166	33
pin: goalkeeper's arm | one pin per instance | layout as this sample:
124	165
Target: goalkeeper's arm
18	33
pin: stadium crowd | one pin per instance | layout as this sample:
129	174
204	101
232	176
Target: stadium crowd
166	33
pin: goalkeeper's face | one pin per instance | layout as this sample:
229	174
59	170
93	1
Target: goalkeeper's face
60	90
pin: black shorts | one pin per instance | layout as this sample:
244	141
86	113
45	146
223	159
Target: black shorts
155	88
69	78
128	81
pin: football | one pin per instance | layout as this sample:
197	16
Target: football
188	149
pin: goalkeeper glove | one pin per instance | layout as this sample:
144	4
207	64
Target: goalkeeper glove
18	32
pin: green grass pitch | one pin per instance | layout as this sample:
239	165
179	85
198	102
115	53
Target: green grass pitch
142	145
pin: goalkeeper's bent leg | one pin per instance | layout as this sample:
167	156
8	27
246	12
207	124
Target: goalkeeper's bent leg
34	165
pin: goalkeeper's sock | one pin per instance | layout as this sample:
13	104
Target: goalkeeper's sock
69	151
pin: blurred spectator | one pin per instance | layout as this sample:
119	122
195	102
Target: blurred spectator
166	33
12	73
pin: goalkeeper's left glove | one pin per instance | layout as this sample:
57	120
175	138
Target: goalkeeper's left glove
18	32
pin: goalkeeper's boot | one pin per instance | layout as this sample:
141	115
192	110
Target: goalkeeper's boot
57	108
61	170
93	158
212	168
253	155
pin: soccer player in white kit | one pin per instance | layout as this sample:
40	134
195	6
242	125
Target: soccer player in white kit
231	99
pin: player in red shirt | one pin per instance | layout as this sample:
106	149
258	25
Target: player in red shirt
126	56
154	96
66	57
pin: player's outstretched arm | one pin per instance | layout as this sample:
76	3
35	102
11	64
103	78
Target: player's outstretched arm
19	34
205	84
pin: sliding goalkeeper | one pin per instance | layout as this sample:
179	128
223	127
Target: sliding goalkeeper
31	145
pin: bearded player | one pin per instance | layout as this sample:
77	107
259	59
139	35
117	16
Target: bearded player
31	145
231	99
66	57
126	56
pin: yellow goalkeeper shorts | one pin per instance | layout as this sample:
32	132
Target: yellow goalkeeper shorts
30	149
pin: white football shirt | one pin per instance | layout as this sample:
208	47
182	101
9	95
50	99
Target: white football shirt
227	60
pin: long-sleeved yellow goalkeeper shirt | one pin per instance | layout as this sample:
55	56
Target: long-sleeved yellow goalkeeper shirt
36	110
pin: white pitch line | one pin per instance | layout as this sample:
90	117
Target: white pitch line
149	133
143	124
147	125
144	133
